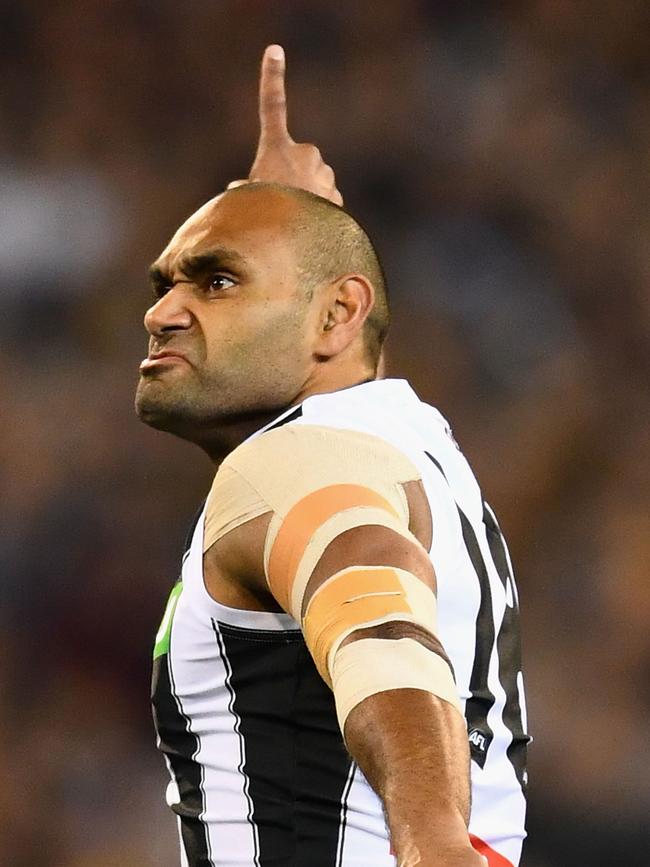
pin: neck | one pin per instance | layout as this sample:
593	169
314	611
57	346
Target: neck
232	432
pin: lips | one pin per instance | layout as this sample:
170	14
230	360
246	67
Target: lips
154	356
167	356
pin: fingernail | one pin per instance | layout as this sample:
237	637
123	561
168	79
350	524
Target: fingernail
275	52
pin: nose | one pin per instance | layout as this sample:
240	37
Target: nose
169	313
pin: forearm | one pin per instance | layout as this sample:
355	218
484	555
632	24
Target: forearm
412	748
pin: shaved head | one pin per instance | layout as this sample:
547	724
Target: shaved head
265	295
331	243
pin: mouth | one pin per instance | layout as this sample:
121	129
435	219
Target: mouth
158	359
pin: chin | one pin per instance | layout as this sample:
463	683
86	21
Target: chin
164	409
156	418
154	410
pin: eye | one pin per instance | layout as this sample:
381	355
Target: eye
220	281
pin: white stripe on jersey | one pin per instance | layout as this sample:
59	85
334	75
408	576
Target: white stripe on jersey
343	821
242	745
226	807
366	837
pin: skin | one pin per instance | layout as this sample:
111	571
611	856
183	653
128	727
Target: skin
251	341
251	344
279	158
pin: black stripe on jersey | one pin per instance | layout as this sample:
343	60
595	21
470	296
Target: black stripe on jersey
497	548
479	704
297	413
296	764
509	651
181	746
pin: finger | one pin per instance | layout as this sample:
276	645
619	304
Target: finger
234	184
273	98
336	197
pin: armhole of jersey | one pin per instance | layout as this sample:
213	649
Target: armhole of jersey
232	501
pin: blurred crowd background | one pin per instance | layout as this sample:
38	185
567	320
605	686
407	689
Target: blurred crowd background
498	154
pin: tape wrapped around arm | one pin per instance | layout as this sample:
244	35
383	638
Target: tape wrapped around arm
371	665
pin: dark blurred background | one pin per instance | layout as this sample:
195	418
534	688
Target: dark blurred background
499	154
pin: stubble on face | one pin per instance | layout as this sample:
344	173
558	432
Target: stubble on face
246	357
259	374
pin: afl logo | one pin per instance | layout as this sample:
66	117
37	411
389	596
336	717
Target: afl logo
478	740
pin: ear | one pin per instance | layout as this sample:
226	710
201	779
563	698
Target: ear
346	305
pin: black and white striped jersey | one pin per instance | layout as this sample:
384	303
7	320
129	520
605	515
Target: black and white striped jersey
259	773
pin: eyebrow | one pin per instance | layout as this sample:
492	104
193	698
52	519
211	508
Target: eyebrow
198	264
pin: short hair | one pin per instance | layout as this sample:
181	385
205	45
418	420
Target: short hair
331	242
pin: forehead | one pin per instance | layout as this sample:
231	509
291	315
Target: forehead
256	225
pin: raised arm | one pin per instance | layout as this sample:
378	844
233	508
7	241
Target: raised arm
279	159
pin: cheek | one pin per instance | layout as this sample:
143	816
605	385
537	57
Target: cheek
271	334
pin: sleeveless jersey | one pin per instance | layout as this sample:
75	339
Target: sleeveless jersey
259	772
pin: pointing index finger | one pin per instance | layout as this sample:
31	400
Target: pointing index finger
273	98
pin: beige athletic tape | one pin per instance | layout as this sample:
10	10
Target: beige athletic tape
231	502
293	535
287	464
371	665
359	597
318	482
338	524
275	470
290	581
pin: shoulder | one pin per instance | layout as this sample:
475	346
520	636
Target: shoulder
305	437
275	470
304	457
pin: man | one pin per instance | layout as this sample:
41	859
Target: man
346	612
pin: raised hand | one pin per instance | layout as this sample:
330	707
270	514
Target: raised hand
279	159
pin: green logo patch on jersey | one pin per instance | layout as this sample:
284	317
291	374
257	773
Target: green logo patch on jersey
165	630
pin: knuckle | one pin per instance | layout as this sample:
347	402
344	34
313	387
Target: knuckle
309	150
275	100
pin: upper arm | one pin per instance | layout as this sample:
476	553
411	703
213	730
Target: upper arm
303	513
